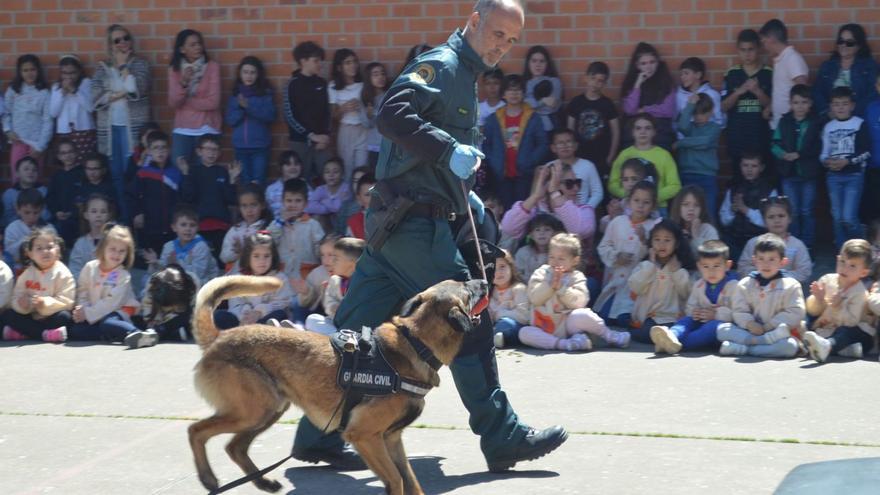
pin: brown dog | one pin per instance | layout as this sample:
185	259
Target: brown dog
251	374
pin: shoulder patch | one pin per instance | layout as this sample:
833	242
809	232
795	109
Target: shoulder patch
424	73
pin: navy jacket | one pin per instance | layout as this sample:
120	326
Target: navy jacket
154	192
210	191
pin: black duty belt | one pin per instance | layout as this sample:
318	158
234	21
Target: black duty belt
428	210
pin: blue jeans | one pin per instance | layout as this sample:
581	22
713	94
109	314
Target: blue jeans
254	162
118	162
709	185
622	320
802	195
510	329
112	327
696	335
845	191
185	146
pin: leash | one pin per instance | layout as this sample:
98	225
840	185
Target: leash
483	303
248	478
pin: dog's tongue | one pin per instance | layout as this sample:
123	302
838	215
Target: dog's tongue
481	305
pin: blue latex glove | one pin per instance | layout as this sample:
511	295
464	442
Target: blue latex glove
464	160
477	205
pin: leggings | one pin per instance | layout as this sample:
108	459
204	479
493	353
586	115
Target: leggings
112	328
33	328
581	320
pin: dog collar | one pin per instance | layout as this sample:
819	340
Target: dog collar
421	349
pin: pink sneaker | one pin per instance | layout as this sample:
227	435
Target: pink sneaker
55	335
10	333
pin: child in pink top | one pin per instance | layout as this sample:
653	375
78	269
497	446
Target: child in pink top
649	88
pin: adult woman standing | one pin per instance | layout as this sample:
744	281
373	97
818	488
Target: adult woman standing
193	93
121	93
851	65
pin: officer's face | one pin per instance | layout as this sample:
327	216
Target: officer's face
497	33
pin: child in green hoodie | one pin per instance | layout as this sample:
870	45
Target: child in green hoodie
698	150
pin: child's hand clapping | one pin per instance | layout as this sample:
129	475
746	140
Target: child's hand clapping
183	165
79	315
755	328
24	301
817	290
558	273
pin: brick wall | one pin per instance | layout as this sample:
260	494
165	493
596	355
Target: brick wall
576	31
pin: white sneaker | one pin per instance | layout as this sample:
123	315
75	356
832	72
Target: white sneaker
138	339
819	347
618	339
853	351
729	348
779	333
184	337
498	340
664	340
578	342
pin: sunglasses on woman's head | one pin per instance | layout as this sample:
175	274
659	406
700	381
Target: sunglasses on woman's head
117	41
848	43
572	183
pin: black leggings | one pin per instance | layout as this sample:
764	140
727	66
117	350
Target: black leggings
846	336
33	328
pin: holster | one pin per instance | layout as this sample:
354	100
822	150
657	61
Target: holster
387	210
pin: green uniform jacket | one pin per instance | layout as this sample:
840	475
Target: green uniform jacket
428	109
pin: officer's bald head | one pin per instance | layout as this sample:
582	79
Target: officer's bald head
493	28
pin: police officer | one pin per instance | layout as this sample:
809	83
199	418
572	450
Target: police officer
428	121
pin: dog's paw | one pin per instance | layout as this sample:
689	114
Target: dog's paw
209	481
267	485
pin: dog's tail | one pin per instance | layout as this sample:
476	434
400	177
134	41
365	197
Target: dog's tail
219	289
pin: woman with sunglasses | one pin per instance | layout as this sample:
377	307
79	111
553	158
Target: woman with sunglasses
121	93
851	64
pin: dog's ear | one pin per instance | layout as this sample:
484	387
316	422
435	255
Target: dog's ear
411	306
459	320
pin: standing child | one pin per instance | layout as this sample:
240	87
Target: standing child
746	93
740	212
797	144
509	305
295	232
697	147
30	207
623	245
59	197
515	143
543	88
371	97
189	249
44	293
254	217
559	296
594	120
291	168
70	104
259	257
839	300
708	305
28	178
97	212
632	171
347	250
540	229
690	213
776	212
328	197
661	283
307	109
250	112
846	148
211	187
346	109
768	307
27	122
643	131
692	75
648	88
492	80
104	298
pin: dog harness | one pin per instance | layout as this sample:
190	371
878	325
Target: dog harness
365	372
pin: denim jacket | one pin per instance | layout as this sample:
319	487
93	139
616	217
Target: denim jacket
863	76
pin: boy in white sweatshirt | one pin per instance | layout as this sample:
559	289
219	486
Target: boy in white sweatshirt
839	301
768	307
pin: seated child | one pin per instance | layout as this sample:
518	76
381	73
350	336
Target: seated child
564	145
348	250
690	213
291	168
354	226
768	307
295	232
259	256
661	283
708	306
27	170
632	171
44	293
839	302
189	250
740	212
7	282
168	303
59	197
351	205
776	212
310	290
509	304
533	254
104	298
624	244
254	217
29	205
96	180
97	212
328	197
559	296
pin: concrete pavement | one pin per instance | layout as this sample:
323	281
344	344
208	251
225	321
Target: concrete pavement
95	419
